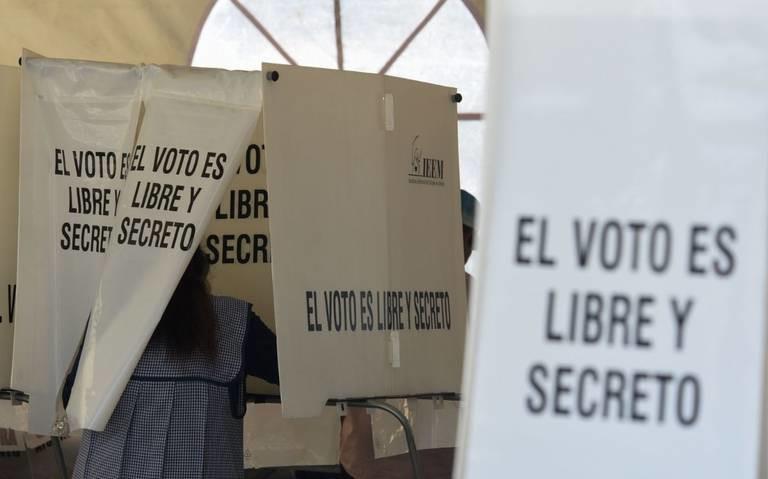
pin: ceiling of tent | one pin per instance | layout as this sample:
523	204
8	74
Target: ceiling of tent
129	31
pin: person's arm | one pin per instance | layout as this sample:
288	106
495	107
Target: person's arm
261	351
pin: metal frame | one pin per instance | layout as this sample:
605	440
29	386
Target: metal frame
410	439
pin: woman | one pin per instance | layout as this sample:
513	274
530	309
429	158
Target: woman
180	415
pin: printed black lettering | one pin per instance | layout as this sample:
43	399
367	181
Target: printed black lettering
11	302
583	245
661	243
523	238
212	242
614	389
696	248
59	165
253	159
561	389
638	395
611	239
544	258
681	316
593	307
724	239
551	335
580	402
635	229
663	380
310	312
688	397
620	309
643	320
534	405
193	194
219	172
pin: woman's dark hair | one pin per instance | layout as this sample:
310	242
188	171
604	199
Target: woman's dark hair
188	323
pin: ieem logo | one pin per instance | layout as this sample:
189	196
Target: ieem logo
425	170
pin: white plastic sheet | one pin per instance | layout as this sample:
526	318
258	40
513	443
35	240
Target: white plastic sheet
609	117
195	125
78	126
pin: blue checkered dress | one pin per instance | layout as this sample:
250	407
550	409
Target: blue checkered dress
177	418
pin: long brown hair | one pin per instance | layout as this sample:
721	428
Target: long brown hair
188	323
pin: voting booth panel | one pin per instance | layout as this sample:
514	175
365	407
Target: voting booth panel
620	320
9	189
365	236
13	417
271	440
78	123
195	125
237	241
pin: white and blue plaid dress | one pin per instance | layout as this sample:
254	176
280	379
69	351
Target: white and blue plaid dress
178	418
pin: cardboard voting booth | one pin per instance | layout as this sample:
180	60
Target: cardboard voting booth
13	416
110	116
365	236
9	174
368	298
619	326
10	416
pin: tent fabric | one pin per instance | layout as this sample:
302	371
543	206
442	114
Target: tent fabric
125	31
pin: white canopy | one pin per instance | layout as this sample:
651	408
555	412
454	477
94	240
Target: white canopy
129	31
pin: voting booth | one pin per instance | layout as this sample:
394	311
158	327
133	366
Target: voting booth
365	233
619	326
10	441
348	244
